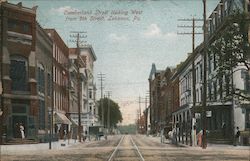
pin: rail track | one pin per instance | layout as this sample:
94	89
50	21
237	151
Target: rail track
126	150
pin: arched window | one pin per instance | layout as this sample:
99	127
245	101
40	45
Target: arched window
41	78
19	72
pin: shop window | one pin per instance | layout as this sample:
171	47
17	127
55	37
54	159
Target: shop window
19	73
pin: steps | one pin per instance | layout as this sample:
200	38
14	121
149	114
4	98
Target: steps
16	141
220	141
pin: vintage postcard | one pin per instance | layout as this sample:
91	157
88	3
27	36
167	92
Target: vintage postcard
99	80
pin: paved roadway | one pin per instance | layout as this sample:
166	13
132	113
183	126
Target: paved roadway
129	148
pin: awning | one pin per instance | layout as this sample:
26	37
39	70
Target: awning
74	123
61	119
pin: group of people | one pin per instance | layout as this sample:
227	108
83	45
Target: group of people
175	132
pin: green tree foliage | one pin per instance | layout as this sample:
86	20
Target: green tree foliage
115	113
128	129
231	49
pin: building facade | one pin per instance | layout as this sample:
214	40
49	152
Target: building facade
223	115
61	123
19	95
78	83
90	111
44	53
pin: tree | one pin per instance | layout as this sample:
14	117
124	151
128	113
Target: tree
231	53
115	113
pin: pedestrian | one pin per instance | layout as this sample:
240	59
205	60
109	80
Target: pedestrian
174	133
223	127
162	135
237	136
22	130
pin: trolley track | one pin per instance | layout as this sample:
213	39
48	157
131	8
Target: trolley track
126	150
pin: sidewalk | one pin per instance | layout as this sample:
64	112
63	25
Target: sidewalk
209	145
61	144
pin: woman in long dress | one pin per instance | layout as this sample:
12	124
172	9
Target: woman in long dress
22	131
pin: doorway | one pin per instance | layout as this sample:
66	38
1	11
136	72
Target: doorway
16	121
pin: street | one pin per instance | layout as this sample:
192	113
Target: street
130	148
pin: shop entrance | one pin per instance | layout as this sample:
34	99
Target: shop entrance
16	122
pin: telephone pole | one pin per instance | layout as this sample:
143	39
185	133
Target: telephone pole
194	26
204	96
73	35
101	78
79	89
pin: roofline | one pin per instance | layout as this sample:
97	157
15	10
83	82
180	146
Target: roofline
91	49
19	6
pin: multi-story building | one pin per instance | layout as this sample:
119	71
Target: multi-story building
78	83
226	114
25	74
60	84
18	77
154	96
88	108
223	115
166	99
90	111
44	53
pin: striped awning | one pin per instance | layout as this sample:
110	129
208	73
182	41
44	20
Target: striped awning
60	118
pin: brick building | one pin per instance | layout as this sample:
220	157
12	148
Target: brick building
60	84
18	66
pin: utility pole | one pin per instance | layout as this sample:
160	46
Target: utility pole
108	114
2	81
76	34
204	96
139	117
78	90
193	67
101	78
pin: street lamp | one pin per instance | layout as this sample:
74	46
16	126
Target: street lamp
50	127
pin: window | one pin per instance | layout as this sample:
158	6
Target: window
215	61
201	76
49	85
215	90
41	114
41	79
19	109
209	63
12	25
227	85
221	87
209	91
19	73
26	27
90	93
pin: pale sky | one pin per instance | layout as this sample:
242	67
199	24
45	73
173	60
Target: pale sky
125	43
